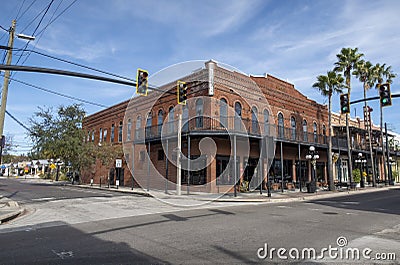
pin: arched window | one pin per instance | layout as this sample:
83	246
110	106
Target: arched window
281	127
266	122
138	125
120	132
185	118
171	119
105	135
100	135
112	133
129	130
223	113
238	116
315	132
93	136
305	133
149	122
199	113
160	120
324	133
293	127
254	120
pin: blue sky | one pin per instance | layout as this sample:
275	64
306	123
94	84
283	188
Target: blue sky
292	40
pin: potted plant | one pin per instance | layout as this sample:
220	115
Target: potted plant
357	177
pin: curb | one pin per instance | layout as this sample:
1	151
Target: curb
142	193
10	204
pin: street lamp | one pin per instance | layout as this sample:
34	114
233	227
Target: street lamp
362	162
313	157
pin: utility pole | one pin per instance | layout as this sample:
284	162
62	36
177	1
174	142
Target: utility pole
6	81
178	157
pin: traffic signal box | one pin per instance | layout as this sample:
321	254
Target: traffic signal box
181	88
344	103
385	97
142	83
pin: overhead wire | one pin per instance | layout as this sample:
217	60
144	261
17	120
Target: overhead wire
26	10
19	10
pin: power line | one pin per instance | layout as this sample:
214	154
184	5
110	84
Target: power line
20	123
26	9
60	94
19	10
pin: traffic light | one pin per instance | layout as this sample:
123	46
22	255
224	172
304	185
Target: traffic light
344	103
141	82
385	95
182	92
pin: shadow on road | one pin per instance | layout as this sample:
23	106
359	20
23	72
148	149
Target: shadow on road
63	244
387	201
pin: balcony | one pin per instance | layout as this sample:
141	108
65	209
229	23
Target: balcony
234	125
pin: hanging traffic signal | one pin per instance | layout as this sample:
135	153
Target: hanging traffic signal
182	92
385	95
141	82
344	103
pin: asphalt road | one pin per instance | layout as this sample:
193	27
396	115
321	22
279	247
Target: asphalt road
228	235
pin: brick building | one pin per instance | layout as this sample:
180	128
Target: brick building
262	121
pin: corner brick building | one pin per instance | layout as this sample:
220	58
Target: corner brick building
262	121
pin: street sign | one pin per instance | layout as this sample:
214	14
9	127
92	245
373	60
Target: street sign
52	166
118	163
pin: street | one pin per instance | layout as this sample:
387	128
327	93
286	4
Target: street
112	228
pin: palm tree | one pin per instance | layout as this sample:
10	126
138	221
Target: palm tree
348	59
383	72
327	85
365	72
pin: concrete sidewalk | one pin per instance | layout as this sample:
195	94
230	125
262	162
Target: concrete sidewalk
254	196
9	209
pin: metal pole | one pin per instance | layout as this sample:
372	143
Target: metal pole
350	165
260	165
388	160
282	179
178	157
148	166
235	165
133	165
299	168
166	169
188	166
6	81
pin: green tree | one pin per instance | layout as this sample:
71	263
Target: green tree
365	73
60	135
382	73
347	61
327	85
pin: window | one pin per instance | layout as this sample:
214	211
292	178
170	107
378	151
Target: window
324	133
100	135
266	122
120	132
92	136
149	121
305	133
138	125
185	119
238	116
88	137
129	130
315	132
171	119
293	127
105	135
160	120
254	120
223	113
280	125
160	154
199	113
112	133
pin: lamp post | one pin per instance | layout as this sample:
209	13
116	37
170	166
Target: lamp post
313	157
361	161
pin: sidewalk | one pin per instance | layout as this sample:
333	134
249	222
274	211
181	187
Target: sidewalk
254	196
9	209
